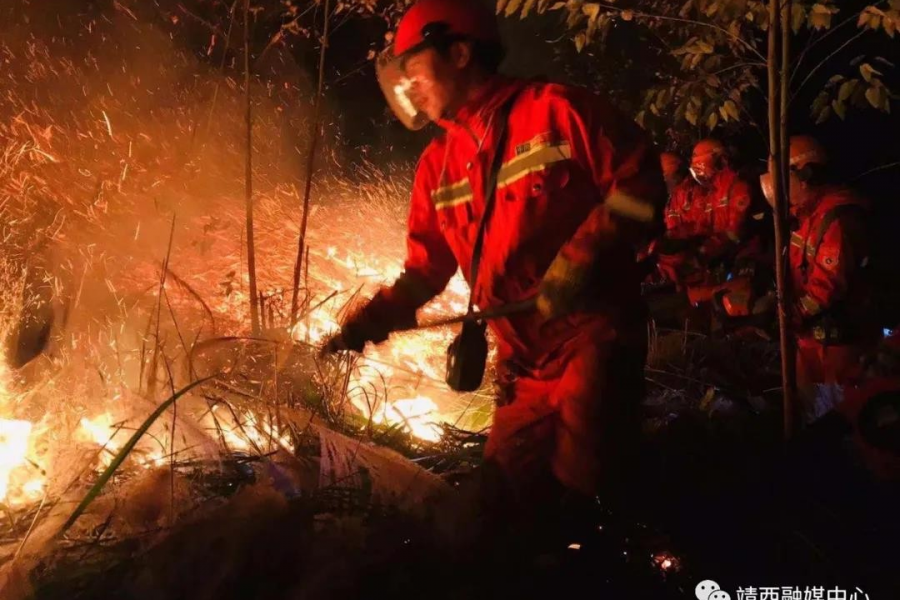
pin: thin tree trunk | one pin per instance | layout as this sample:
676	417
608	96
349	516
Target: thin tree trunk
248	178
310	165
776	170
789	378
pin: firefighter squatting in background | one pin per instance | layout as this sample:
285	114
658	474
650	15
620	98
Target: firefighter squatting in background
833	313
846	373
578	188
712	249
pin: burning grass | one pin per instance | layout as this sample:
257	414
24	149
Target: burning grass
116	144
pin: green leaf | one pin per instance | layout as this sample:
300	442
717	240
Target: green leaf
824	115
863	19
681	111
591	10
123	454
712	120
821	102
732	110
662	98
890	26
820	16
867	71
511	7
840	109
526	9
705	47
798	16
691	113
847	89
877	95
708	398
558	6
580	40
870	18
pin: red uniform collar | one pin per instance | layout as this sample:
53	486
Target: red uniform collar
475	115
828	197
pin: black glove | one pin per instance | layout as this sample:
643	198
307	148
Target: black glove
373	323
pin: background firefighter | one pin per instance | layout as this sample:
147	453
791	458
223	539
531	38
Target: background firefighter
712	250
578	189
681	218
833	315
701	247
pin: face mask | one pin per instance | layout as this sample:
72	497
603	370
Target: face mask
701	176
396	86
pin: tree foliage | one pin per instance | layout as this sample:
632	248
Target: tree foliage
714	75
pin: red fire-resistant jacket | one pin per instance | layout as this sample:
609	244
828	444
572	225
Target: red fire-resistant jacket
828	253
577	180
684	214
726	206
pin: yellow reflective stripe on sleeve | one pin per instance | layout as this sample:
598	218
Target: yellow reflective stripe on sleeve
452	195
810	306
797	240
630	207
535	159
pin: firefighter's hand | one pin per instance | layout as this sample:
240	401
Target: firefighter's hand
373	323
355	334
562	289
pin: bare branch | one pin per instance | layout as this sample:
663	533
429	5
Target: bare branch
824	61
642	15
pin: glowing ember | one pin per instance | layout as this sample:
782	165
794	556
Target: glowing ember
101	431
251	433
13	450
667	562
419	415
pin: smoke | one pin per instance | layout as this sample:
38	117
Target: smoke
110	132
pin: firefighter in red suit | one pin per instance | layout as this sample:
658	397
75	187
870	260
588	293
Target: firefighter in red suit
829	251
706	219
725	200
681	211
578	189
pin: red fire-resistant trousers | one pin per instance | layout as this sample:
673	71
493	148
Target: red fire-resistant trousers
818	364
576	417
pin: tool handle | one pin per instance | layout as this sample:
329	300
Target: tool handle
336	343
507	310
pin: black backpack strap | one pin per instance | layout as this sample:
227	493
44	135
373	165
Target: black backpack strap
815	242
490	192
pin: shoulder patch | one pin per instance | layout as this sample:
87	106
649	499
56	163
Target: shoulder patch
541	139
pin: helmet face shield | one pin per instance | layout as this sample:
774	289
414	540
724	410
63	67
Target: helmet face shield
768	190
396	86
702	174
